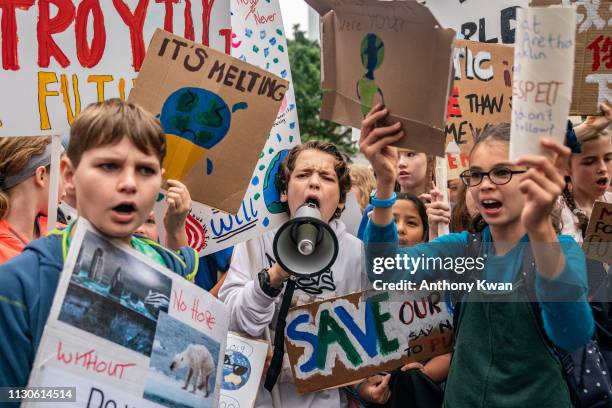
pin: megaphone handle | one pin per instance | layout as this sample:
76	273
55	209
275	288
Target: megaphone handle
276	365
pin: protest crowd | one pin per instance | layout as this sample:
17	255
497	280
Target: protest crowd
176	244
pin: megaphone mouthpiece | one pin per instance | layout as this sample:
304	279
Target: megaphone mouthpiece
305	245
307	238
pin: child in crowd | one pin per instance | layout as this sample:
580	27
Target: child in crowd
178	202
24	192
463	211
314	171
454	185
410	217
413	174
113	165
362	184
414	171
589	174
501	358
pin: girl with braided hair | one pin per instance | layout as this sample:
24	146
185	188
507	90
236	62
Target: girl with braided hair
590	172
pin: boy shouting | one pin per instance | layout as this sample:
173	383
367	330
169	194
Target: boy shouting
113	166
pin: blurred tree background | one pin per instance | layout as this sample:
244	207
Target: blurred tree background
305	60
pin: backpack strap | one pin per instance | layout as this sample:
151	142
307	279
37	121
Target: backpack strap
474	247
529	270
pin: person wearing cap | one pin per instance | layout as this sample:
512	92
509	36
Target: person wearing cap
24	192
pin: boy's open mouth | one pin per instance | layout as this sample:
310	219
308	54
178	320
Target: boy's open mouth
125	208
124	212
313	200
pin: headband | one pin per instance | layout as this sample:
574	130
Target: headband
43	159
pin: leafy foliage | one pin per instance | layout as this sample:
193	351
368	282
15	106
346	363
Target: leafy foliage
304	57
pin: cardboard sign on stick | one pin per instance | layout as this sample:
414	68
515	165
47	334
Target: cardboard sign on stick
126	329
348	338
217	112
598	238
543	73
482	91
593	65
391	52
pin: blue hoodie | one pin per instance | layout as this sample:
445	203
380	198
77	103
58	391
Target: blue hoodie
27	287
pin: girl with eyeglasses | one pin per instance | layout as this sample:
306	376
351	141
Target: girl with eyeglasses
503	355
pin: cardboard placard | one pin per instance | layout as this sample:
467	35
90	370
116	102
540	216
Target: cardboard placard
217	112
598	238
593	61
482	91
478	20
543	74
393	52
262	44
348	338
124	328
58	57
242	370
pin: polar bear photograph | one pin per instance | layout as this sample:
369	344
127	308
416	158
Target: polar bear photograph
185	367
199	363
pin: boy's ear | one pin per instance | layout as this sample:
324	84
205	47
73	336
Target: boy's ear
67	173
39	176
283	197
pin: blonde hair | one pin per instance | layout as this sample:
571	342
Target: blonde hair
15	153
365	182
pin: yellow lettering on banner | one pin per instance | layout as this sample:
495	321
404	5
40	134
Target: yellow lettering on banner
122	89
45	78
100	80
70	114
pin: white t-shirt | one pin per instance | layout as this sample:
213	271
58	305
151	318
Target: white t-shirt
252	310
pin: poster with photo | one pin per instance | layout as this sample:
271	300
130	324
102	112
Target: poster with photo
128	329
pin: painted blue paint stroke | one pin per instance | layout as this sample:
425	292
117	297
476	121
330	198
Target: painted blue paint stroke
209	166
366	339
239	106
294	334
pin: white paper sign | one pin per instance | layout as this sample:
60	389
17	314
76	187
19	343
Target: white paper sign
478	20
242	371
543	77
126	323
60	56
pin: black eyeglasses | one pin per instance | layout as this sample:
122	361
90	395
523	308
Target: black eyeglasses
498	176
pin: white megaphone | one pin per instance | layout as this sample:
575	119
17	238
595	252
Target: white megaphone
305	245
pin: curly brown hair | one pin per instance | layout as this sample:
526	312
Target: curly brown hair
341	166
